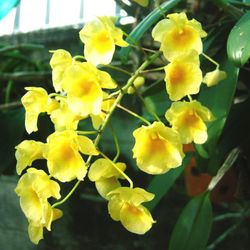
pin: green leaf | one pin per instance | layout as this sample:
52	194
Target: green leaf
238	46
12	129
145	25
193	226
161	184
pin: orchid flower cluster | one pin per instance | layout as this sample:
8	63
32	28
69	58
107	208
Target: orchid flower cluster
82	90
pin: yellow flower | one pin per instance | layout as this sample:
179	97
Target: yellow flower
125	206
35	230
105	175
183	76
157	148
188	118
64	160
97	120
83	84
214	77
100	37
143	3
178	35
63	118
27	152
34	189
35	101
60	60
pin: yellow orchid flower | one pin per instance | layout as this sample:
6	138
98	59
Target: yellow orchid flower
178	35
212	78
100	37
105	175
83	84
157	148
27	152
35	101
183	76
188	118
60	60
34	188
64	160
35	230
125	206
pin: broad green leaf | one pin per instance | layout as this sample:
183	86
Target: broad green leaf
193	227
161	184
238	46
145	25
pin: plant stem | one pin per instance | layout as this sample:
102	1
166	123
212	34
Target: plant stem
86	132
211	60
119	170
134	114
67	196
152	70
117	69
150	111
117	146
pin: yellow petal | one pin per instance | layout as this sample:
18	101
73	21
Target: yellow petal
134	196
106	185
35	232
188	118
114	208
35	101
27	152
83	89
183	76
100	37
104	168
157	148
63	118
212	78
160	29
86	146
60	60
135	219
178	35
63	158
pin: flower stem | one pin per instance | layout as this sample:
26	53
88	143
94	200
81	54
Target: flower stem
150	111
86	132
211	60
119	170
133	114
152	70
117	146
67	196
117	69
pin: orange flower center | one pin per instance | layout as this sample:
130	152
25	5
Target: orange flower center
183	37
191	118
156	144
177	74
